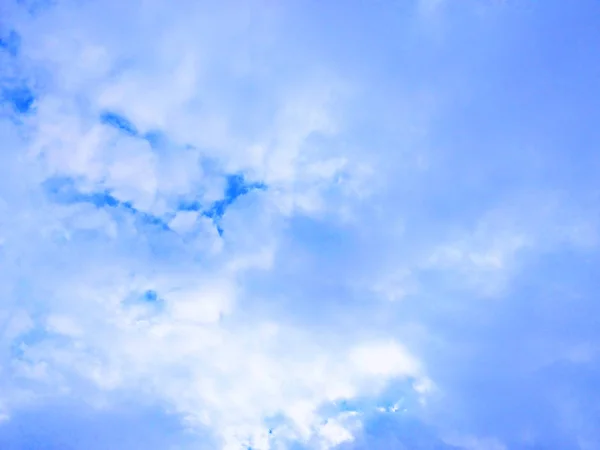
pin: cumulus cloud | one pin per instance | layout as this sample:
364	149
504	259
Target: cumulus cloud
143	205
215	221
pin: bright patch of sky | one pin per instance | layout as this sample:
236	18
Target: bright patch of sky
278	225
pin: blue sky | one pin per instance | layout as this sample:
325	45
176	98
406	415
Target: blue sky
278	225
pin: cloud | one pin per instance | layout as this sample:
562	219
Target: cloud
258	225
143	207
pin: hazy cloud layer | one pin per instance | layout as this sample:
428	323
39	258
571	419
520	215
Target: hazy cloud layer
282	225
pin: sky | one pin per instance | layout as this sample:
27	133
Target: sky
289	225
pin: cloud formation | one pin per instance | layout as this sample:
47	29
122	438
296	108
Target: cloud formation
274	226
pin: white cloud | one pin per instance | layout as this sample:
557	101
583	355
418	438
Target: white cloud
63	325
205	304
194	344
489	256
339	430
384	360
128	268
184	221
396	286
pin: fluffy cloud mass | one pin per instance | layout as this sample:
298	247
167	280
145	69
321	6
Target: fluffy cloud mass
282	225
